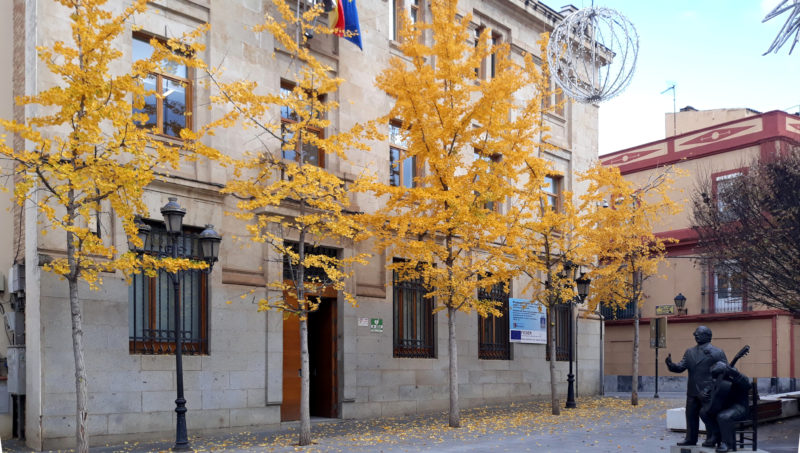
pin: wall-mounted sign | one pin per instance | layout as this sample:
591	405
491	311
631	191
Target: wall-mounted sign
363	322
376	325
665	310
527	321
658	333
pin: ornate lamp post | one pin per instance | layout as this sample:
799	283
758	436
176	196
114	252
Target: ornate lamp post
209	241
582	283
680	304
209	246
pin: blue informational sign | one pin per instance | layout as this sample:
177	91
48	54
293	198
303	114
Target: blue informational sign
527	321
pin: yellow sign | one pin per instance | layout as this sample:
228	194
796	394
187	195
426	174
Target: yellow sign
665	310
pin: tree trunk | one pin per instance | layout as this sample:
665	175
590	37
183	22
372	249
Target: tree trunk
455	415
552	346
81	391
305	378
635	375
305	385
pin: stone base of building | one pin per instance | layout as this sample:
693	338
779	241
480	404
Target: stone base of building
621	383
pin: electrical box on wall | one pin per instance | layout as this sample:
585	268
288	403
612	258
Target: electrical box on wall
16	370
16	278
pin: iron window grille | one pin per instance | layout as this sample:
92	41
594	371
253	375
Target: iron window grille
493	341
617	313
310	274
152	300
560	314
413	319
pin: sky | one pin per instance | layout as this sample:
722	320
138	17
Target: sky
711	50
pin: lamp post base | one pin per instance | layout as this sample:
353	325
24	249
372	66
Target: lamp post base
571	392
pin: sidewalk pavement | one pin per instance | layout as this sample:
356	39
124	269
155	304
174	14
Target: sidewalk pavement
598	424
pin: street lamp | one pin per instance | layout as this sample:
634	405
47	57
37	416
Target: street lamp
209	246
143	232
582	282
680	304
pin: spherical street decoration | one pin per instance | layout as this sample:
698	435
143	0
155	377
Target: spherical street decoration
791	27
592	54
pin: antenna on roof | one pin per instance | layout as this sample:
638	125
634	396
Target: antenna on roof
674	112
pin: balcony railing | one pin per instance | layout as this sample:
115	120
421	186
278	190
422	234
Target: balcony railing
726	302
617	313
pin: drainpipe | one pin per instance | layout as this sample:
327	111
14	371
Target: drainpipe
602	353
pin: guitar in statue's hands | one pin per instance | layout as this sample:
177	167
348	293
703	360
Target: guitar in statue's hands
722	387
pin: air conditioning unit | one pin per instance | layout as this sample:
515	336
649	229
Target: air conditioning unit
16	278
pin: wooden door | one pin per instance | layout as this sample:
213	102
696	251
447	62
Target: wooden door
290	407
322	341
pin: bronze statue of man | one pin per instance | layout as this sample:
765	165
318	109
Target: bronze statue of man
698	360
727	405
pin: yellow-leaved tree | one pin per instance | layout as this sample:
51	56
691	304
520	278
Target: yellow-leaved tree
547	239
86	154
466	133
289	199
620	235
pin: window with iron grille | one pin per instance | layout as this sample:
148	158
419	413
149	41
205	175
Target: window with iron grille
493	342
728	289
560	313
413	318
151	320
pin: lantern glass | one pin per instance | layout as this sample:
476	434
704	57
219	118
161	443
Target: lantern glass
173	216
209	243
680	301
143	232
583	283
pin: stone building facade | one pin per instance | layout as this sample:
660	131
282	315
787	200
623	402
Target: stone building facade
241	375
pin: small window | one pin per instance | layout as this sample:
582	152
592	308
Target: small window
413	319
493	340
723	187
402	170
555	100
412	7
152	301
488	203
170	109
560	313
552	191
311	153
728	289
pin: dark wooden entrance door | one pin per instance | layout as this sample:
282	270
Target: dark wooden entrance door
322	360
322	347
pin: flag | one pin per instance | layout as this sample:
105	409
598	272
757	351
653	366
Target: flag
343	17
351	22
335	16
